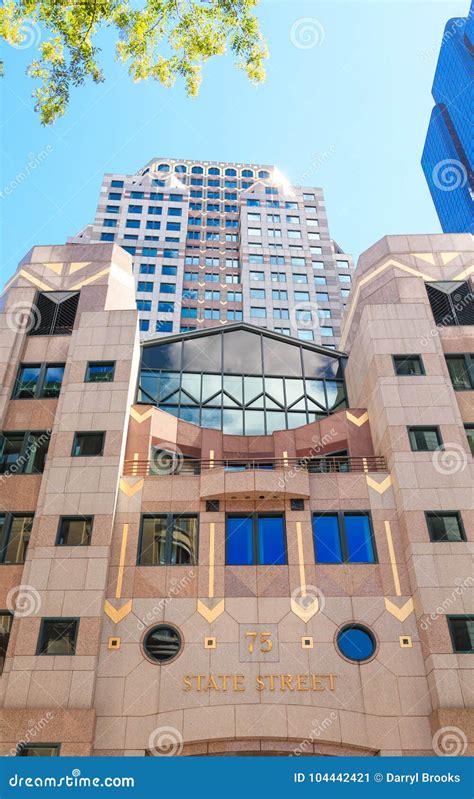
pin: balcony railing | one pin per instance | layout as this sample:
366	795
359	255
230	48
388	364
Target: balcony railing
177	464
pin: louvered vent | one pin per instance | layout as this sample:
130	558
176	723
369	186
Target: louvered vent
452	302
55	312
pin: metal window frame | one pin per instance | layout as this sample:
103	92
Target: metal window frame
88	433
9	516
87	379
62	519
426	427
411	356
451	617
340	515
254	516
43	368
169	538
469	366
41	636
24	447
430	514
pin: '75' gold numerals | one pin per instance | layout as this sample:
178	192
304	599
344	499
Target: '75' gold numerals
261	640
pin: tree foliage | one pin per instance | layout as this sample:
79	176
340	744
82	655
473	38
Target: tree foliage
159	39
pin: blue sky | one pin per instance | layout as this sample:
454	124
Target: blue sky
349	114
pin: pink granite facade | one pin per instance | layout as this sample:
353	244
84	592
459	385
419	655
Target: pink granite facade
259	669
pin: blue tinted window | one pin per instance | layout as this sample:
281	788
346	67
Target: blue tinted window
327	541
149	252
356	643
168	270
359	539
107	237
117	184
240	541
137	195
144	305
164	327
129	249
144	325
271	540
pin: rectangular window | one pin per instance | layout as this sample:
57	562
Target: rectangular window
326	330
40	381
299	278
257	275
38	750
100	372
408	365
168	288
55	313
461	629
469	430
452	302
257	294
445	526
23	453
168	540
147	269
258	312
74	531
58	637
461	371
6	620
144	305
15	532
322	296
258	539
343	537
116	184
88	445
424	439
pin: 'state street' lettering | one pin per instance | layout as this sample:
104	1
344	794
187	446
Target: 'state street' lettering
263	682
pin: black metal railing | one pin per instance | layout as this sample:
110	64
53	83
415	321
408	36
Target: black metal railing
176	464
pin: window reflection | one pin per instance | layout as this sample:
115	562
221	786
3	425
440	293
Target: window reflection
219	382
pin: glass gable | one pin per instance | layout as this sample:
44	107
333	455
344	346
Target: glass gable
242	382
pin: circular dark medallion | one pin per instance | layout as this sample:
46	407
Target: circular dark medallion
162	643
356	642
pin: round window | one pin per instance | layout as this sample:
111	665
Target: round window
356	642
162	643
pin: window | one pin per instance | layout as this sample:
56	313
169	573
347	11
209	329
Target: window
74	531
318	264
169	225
234	316
170	254
461	371
344	278
55	313
299	278
147	269
255	258
155	210
258	312
168	288
88	444
469	430
167	269
281	313
15	531
452	302
322	296
6	620
23	453
279	294
39	381
145	286
144	305
424	439
38	750
407	365
302	296
144	325
100	372
234	296
256	539
153	225
58	637
133	223
445	526
135	209
343	537
117	184
325	330
188	313
108	237
461	629
356	642
257	294
150	252
166	307
113	209
319	280
324	313
257	275
162	643
168	539
137	195
278	277
211	313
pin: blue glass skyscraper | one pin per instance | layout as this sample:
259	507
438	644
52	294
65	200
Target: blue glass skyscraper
448	155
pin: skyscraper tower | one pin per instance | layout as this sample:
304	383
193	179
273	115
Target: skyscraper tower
215	243
448	156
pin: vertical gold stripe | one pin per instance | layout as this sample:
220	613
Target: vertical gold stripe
211	459
393	561
365	465
123	548
212	535
299	540
285	458
135	464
